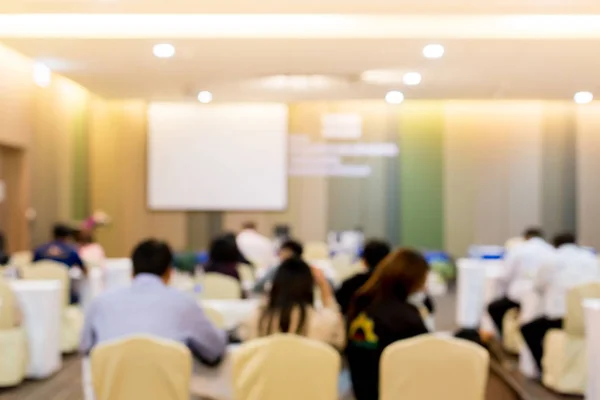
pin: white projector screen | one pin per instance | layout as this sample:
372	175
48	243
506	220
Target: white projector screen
217	157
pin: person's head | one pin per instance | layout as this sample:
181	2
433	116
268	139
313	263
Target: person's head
292	292
249	225
531	233
153	257
374	252
290	249
62	232
84	236
400	274
223	250
564	238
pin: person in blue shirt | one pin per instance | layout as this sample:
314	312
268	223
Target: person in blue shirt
150	307
61	250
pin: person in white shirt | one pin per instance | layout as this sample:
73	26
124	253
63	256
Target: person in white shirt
522	263
572	266
258	249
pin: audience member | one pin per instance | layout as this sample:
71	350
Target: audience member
90	251
522	263
151	307
381	314
241	259
290	307
62	249
572	266
4	256
373	253
255	247
223	258
289	249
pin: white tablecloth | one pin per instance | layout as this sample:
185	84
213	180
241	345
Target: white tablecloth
592	334
41	304
233	311
470	293
117	273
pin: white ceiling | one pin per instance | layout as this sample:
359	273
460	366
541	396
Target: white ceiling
303	6
471	68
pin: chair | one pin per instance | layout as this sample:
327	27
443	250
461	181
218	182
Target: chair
21	258
13	340
564	360
216	286
512	339
141	367
214	316
285	366
316	251
432	367
246	272
72	315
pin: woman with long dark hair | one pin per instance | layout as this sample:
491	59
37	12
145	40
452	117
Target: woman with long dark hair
223	258
289	307
381	314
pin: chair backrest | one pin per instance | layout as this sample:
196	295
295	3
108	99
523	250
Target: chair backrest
8	306
574	318
316	251
286	367
432	367
49	270
215	316
246	272
141	367
216	286
21	258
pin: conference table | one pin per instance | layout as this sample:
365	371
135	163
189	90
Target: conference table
41	307
233	311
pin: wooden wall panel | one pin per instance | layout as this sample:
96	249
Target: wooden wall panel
588	174
118	179
493	165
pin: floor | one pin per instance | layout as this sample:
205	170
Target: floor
66	384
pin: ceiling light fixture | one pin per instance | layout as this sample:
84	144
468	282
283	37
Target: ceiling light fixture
433	51
205	97
164	50
411	78
42	75
583	97
394	97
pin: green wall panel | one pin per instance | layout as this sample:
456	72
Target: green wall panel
421	175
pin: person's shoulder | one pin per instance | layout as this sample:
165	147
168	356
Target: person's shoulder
358	279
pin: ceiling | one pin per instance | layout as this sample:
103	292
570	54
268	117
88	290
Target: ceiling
304	6
472	68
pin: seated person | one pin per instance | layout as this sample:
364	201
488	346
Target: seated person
255	247
373	253
223	258
572	266
4	256
522	263
289	307
90	251
61	249
381	314
289	249
241	259
151	307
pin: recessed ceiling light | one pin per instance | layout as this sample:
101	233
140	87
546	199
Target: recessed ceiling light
164	50
583	97
42	75
411	78
205	97
394	97
433	51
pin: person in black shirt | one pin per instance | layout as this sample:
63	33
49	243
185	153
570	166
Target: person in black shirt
380	314
373	252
